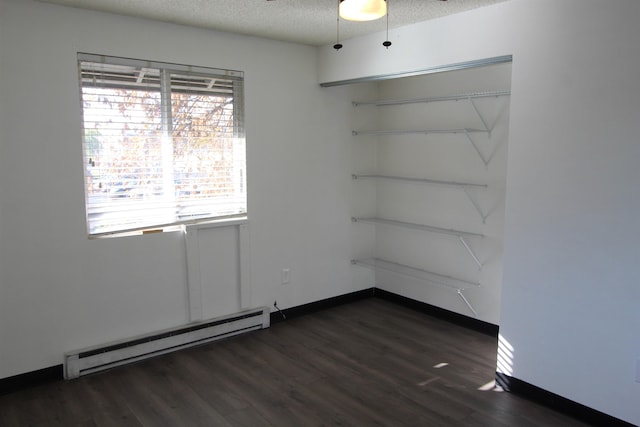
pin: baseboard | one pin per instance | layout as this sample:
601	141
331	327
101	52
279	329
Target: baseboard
31	379
558	403
300	310
441	313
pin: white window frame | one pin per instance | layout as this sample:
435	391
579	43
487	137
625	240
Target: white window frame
183	79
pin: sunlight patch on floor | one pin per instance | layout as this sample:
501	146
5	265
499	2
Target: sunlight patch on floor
491	386
429	381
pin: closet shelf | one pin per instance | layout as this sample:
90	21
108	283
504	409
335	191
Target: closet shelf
422	227
464	186
419	131
420	180
461	235
458	97
453	283
417	273
464	131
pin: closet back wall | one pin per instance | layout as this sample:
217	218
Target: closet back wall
447	155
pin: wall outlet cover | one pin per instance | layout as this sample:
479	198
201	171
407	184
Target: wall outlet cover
286	276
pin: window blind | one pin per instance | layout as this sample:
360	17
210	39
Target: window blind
163	143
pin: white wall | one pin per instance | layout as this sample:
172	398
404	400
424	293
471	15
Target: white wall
61	291
570	285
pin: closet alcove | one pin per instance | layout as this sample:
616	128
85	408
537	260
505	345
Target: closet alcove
428	186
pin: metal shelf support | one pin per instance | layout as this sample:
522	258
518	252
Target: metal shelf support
475	107
464	186
466	301
456	284
470	251
419	131
461	235
475	147
475	204
420	180
466	131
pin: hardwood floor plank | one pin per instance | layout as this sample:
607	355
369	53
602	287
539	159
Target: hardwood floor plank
367	363
202	373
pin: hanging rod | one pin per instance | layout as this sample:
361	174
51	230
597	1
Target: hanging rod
435	98
420	274
418	131
422	180
461	235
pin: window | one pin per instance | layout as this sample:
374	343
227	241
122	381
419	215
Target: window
163	143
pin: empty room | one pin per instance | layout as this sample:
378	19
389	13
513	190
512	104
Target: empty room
273	212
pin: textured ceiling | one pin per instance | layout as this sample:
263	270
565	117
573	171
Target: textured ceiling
311	22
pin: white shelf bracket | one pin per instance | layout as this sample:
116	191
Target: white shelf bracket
457	233
475	204
475	146
416	273
484	122
473	255
459	292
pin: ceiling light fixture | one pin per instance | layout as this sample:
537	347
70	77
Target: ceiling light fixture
362	10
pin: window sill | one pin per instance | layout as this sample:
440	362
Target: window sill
216	223
227	222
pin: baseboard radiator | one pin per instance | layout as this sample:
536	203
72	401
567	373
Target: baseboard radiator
99	358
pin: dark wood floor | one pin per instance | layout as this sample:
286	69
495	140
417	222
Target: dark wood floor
368	363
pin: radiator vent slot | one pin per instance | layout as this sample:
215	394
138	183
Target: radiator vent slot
100	358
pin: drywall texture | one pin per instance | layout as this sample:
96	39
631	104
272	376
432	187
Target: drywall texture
61	291
570	277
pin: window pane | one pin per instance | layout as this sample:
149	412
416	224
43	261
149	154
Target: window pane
209	159
148	164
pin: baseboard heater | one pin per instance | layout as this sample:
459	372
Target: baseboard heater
99	358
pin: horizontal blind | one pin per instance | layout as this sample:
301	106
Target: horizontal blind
163	144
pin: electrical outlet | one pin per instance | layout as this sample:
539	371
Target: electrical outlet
638	371
286	276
